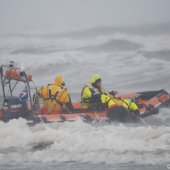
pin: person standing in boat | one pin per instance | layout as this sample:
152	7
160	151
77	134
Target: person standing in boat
56	97
91	94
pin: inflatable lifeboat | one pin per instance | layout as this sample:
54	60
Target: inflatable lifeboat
149	103
19	100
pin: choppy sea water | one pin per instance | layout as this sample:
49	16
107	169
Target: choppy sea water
127	62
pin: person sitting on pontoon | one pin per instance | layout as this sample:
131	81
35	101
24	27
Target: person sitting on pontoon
91	93
55	96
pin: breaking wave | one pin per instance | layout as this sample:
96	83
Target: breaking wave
127	62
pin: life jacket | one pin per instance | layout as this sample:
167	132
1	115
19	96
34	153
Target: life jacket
56	93
107	101
87	93
130	105
114	102
87	96
53	96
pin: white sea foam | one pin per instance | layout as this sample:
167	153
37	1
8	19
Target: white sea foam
78	141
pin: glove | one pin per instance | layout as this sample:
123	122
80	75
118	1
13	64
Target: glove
69	106
113	93
96	97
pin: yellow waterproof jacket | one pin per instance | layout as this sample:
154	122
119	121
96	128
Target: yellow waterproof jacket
125	103
87	96
118	101
55	96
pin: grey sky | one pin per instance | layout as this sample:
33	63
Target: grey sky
75	14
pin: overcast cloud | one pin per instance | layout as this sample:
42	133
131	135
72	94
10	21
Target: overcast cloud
75	14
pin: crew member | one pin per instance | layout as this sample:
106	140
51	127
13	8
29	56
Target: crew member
91	94
56	96
120	108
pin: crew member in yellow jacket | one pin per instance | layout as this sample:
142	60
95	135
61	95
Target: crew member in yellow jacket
94	97
119	108
91	93
114	101
56	96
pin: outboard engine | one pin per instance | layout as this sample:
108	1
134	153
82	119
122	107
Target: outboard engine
14	108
